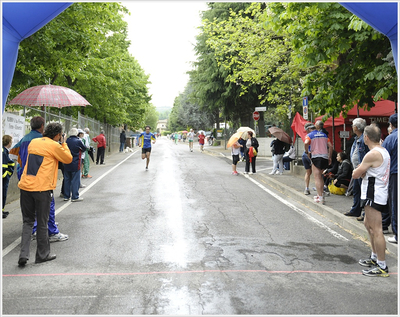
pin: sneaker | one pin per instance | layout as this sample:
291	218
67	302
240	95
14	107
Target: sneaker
377	271
361	218
88	176
385	231
245	172
82	186
319	200
272	173
392	239
58	237
251	173
76	200
147	168
307	192
368	262
66	199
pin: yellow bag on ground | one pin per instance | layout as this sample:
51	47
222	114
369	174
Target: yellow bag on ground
336	190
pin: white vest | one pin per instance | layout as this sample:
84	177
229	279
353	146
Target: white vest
375	184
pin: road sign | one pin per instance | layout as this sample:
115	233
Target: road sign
256	115
261	109
305	101
344	134
305	112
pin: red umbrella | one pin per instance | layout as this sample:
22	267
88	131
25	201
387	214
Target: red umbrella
280	134
49	96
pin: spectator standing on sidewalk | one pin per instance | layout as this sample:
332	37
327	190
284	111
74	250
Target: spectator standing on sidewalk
86	158
318	146
308	127
101	147
390	144
278	149
72	171
122	140
37	183
357	153
374	170
242	142
21	151
250	159
8	168
190	137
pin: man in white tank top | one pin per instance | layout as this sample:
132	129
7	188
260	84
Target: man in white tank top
374	170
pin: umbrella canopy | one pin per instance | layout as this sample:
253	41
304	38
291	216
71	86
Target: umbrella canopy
49	96
199	132
233	139
244	131
280	134
184	131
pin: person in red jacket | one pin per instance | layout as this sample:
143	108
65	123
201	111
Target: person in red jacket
101	147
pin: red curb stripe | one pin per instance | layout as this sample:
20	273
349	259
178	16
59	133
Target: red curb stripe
183	272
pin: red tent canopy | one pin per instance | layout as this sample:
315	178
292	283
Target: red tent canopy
384	108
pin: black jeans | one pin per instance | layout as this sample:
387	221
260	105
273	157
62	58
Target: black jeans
100	155
253	163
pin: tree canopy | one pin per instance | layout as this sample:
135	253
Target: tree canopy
91	57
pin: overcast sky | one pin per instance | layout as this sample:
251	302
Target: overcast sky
162	35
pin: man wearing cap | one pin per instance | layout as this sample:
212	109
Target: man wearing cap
72	171
308	127
390	144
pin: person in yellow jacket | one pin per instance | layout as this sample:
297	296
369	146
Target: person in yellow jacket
37	183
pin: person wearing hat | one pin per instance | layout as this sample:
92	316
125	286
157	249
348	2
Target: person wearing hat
72	171
390	144
308	127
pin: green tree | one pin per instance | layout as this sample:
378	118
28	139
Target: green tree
85	49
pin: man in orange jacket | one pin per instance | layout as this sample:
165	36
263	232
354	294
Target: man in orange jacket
37	183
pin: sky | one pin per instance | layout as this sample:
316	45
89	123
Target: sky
163	35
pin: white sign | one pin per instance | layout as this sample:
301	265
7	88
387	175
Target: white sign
261	109
305	112
13	125
344	134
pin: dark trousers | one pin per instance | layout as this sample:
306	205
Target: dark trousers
393	201
100	155
356	208
6	181
253	164
35	205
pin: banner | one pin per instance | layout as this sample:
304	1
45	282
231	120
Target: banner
13	125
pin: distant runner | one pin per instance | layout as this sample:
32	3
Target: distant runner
145	143
190	137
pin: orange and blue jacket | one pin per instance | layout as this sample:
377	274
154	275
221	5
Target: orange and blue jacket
41	169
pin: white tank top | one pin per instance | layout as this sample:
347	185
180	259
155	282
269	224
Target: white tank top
375	184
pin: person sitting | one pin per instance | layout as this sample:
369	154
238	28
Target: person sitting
343	176
330	171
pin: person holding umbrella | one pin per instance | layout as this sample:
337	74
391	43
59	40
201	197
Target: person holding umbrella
251	144
277	149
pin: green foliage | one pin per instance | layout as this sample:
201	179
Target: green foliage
85	48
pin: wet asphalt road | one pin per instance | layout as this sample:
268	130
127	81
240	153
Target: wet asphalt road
188	238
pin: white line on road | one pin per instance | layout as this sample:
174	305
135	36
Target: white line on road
17	242
298	210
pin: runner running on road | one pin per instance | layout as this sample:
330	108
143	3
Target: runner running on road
145	143
190	137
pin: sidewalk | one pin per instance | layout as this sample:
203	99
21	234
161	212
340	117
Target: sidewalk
293	185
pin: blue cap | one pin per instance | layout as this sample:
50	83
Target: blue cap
393	119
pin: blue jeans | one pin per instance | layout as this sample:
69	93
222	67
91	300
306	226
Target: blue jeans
356	208
121	146
51	225
72	181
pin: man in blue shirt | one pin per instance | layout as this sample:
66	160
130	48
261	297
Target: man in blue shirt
390	144
145	139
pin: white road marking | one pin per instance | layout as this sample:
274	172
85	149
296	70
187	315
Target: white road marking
17	242
298	210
